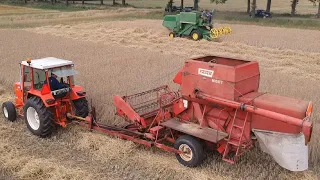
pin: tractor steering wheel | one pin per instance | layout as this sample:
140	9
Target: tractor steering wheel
65	85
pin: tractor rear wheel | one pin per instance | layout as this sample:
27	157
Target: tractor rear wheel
38	117
193	149
9	111
196	35
82	107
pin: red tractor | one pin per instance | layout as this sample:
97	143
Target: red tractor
42	106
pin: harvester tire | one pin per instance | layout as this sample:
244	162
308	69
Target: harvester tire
38	117
194	149
9	111
172	35
82	107
196	35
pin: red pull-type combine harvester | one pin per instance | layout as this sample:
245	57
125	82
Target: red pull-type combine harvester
218	107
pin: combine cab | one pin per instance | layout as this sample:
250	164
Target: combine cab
42	106
191	24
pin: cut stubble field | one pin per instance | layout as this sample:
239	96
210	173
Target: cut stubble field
131	56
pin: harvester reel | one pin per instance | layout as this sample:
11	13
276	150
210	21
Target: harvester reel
214	33
217	32
227	30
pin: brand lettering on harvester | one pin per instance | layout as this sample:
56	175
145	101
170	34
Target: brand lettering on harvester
217	81
205	72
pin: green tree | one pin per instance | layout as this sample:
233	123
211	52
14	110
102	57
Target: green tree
268	6
293	7
218	1
315	3
253	8
196	4
169	5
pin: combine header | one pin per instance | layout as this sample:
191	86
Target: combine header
191	24
218	107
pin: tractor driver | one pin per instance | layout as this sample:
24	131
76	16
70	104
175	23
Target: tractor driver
54	83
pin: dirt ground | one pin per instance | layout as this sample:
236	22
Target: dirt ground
130	56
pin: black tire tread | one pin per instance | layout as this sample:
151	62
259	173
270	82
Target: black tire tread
82	107
196	147
199	34
45	116
12	113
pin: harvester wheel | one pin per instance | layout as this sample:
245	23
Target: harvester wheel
9	111
171	35
82	108
196	35
38	117
193	149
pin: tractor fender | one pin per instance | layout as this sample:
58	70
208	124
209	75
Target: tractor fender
44	97
77	92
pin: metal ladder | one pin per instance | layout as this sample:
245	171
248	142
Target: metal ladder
235	141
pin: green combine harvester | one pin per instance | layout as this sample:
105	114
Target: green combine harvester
191	24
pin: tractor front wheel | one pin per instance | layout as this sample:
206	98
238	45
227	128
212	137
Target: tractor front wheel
196	35
38	117
193	151
82	108
9	111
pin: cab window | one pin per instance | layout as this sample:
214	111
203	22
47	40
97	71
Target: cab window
39	77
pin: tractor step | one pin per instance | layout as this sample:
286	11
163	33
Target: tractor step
237	126
234	142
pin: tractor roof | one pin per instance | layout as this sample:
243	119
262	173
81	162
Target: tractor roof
47	63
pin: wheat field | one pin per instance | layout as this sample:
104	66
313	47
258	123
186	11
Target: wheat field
124	57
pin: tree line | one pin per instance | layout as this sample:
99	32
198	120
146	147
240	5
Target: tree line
123	2
251	6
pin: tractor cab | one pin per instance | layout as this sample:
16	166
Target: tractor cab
45	94
47	75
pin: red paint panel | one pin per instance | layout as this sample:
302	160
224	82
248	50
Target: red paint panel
225	78
19	94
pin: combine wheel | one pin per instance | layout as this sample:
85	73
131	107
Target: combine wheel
9	111
196	35
171	35
82	108
38	117
193	149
